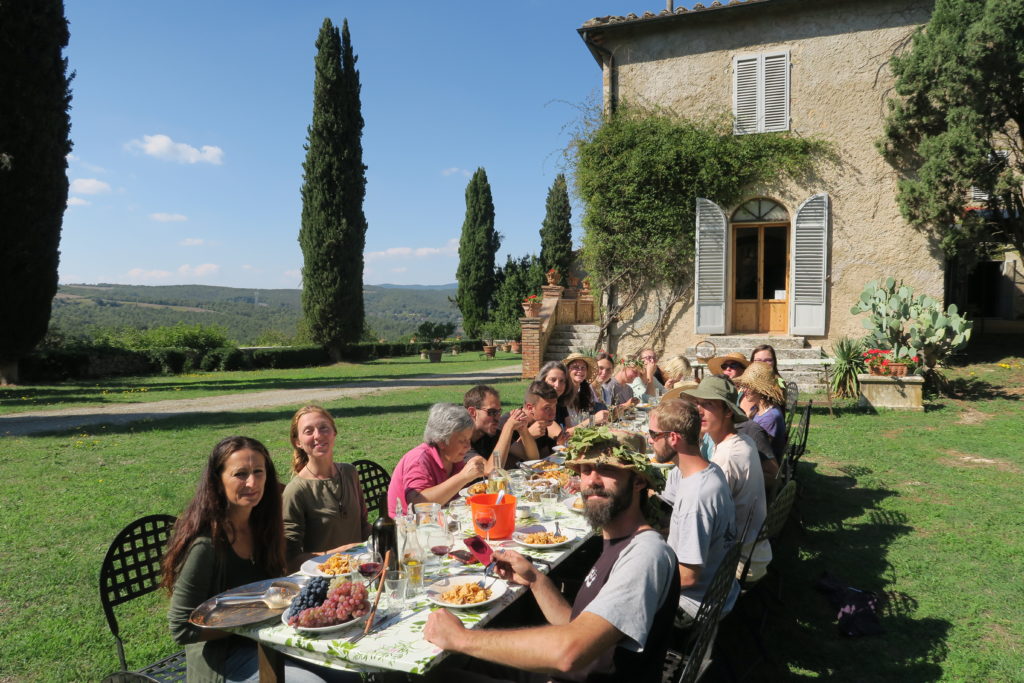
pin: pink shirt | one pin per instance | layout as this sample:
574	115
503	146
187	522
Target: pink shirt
419	469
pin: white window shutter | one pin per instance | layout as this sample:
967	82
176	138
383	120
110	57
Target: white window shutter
745	94
808	306
709	287
776	92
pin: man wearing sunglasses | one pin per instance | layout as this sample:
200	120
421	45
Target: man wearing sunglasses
702	526
492	433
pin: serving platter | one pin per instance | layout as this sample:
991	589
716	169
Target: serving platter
213	615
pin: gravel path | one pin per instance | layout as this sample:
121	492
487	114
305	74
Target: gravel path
26	424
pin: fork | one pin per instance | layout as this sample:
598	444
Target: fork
558	528
488	572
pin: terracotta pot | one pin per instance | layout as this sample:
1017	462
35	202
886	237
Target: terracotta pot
489	350
435	355
517	347
553	277
532	310
898	369
506	348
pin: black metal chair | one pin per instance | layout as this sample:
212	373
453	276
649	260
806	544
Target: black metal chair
374	481
701	636
778	513
792	398
798	443
132	569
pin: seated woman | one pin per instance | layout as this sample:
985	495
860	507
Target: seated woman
613	394
229	535
761	400
677	371
649	383
435	471
557	375
324	510
583	405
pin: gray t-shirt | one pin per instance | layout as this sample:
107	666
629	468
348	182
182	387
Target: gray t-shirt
636	587
702	530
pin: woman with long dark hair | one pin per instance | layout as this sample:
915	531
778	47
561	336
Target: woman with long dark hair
556	374
324	510
229	535
765	353
584	407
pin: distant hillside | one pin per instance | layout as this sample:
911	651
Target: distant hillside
247	314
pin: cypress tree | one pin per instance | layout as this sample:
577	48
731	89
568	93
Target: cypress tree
477	246
556	230
34	144
333	233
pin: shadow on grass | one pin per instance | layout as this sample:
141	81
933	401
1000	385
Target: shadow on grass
844	533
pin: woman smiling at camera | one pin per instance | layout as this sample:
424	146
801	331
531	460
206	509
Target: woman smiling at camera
324	511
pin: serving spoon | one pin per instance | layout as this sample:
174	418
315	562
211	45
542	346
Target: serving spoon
275	597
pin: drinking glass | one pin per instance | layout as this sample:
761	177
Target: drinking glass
458	512
485	518
396	584
413	567
439	542
549	504
368	564
427	513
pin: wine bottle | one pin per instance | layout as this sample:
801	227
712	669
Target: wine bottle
384	539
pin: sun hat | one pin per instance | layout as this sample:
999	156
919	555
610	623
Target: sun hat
713	388
715	364
602	446
760	377
591	364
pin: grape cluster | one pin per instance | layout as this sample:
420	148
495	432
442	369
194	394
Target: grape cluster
312	594
344	601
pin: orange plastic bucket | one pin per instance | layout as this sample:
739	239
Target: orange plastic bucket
505	514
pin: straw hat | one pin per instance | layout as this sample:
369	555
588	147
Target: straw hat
760	377
719	389
591	364
715	364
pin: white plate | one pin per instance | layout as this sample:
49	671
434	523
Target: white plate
323	629
466	494
497	587
663	465
568	503
517	536
309	567
558	449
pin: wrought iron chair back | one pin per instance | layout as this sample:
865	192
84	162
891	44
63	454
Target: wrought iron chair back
374	481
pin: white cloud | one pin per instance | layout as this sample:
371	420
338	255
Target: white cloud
453	170
88	186
142	274
163	147
78	201
71	157
201	270
168	217
450	247
192	242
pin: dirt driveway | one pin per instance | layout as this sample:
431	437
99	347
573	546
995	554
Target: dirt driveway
27	424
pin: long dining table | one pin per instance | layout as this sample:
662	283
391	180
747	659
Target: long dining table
401	646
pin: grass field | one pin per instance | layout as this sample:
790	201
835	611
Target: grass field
72	394
924	508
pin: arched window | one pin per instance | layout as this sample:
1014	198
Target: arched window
760	211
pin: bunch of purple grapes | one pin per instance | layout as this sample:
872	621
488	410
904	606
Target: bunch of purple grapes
312	594
345	601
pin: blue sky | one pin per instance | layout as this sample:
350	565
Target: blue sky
189	119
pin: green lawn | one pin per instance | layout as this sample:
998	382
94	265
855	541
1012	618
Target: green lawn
922	507
71	394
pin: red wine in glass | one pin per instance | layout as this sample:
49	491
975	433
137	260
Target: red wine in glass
486	522
440	550
369	569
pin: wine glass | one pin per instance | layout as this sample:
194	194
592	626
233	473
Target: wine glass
440	542
368	564
485	518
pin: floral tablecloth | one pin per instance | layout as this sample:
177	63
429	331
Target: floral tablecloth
401	647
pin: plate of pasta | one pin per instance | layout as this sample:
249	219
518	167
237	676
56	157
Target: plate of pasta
540	538
464	591
329	565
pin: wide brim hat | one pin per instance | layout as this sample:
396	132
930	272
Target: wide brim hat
713	388
591	364
677	390
715	364
603	446
760	377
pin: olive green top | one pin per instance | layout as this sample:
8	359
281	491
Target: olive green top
204	574
320	514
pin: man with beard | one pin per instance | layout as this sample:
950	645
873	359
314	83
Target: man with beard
701	530
619	625
492	433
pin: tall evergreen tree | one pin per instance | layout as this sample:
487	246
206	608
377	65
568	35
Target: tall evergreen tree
519	278
477	246
957	124
333	233
556	230
34	144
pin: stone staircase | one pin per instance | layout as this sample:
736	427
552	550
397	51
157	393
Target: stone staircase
568	338
808	375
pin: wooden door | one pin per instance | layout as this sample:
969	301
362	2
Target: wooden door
760	272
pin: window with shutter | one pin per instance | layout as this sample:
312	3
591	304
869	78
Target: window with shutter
810	262
761	93
709	295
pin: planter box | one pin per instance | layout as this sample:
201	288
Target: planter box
898	393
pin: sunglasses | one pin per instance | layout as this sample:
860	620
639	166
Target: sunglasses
657	435
732	366
493	412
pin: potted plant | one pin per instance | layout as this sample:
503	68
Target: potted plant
487	331
435	350
553	276
882	362
531	306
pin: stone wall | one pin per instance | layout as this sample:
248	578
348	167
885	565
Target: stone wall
839	80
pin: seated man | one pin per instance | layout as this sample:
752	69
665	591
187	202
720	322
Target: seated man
492	433
610	391
541	433
737	456
702	527
619	624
